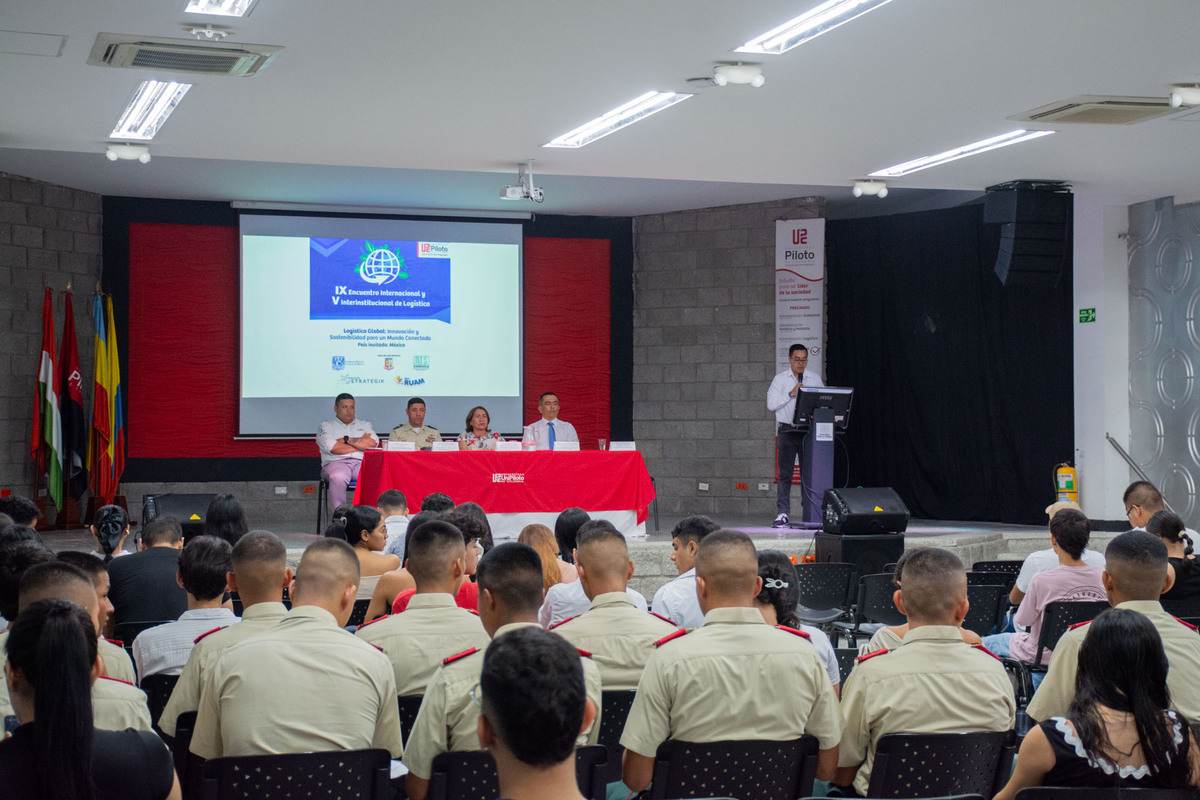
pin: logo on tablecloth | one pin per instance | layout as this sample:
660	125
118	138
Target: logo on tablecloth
508	477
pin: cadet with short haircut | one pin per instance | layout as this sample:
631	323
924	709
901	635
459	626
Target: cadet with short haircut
1135	575
305	685
733	678
933	682
117	663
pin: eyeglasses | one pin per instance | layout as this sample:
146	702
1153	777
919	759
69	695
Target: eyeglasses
1129	509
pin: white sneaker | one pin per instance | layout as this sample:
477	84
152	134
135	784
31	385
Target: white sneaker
780	522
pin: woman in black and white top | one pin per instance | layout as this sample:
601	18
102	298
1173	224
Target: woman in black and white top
1183	598
1120	730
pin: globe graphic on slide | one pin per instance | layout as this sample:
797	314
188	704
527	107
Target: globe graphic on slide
380	266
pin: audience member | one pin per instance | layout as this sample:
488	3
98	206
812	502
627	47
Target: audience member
17	554
548	429
1135	575
225	519
467	595
116	704
510	584
394	582
534	705
259	573
1184	595
1142	501
304	685
889	637
476	512
362	527
566	531
1120	729
437	503
565	601
676	599
432	626
22	510
1071	581
110	529
117	663
144	586
478	434
342	441
203	568
415	430
620	636
1044	560
392	505
554	569
734	678
777	602
933	682
56	752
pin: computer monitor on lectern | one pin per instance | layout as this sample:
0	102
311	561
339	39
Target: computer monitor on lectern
837	398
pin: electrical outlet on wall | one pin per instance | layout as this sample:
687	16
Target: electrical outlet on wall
702	486
764	487
281	490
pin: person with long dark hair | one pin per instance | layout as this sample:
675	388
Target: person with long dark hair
225	519
362	528
777	603
1120	729
1183	598
56	752
110	529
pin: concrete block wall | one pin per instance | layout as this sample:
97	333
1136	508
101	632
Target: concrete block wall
293	512
704	354
49	235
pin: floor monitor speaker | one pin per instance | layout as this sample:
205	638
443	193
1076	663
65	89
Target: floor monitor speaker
869	553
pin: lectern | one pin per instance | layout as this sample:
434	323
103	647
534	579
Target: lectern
819	411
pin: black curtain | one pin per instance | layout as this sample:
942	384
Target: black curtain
964	387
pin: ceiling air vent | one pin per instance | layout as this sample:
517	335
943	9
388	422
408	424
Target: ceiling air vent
180	55
1099	110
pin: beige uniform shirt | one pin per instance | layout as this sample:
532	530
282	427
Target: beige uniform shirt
1182	645
619	635
448	715
305	685
423	438
185	697
431	628
117	663
735	677
934	682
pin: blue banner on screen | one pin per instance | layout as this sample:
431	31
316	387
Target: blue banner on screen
378	279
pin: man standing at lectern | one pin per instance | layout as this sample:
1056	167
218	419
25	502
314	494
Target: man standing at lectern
342	441
781	398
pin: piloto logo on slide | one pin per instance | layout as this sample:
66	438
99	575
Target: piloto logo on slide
380	265
508	477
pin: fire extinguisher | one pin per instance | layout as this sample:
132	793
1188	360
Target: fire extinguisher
1066	482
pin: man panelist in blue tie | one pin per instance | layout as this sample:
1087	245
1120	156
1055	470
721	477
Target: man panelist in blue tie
549	429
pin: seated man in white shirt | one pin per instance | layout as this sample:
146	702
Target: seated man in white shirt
1142	501
677	600
1046	560
566	600
549	429
342	441
781	399
204	566
392	505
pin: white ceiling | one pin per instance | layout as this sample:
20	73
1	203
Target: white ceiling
406	89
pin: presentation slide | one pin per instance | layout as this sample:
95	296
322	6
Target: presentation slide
384	310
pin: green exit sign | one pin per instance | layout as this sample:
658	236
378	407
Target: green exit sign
1087	315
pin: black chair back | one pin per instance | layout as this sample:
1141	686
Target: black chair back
758	769
336	775
1064	793
875	600
890	566
824	590
358	614
1008	570
986	605
464	776
1059	616
158	690
911	765
592	771
614	709
1183	609
185	723
847	657
409	706
987	579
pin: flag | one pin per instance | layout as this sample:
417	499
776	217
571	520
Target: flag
99	461
117	401
74	424
47	424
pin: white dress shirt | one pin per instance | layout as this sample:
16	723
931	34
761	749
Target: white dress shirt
825	652
332	431
165	648
566	600
1044	560
539	432
677	601
778	399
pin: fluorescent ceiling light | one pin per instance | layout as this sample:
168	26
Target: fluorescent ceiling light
220	8
635	110
148	109
812	23
973	149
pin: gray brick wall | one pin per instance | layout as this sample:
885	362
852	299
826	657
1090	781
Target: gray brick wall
49	235
703	353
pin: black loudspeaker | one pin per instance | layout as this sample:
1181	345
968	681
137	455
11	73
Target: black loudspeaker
1034	219
869	553
863	511
189	509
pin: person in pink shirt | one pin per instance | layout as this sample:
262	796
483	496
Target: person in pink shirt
1071	581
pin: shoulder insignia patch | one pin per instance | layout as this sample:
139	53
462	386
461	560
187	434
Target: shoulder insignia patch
583	653
1185	623
561	622
869	656
372	622
983	649
794	631
1079	625
116	680
116	642
671	636
660	616
209	632
459	656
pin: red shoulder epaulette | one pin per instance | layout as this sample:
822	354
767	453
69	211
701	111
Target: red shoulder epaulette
1185	623
671	636
117	642
794	632
372	622
868	656
660	616
118	680
457	656
473	611
1079	625
561	622
983	649
377	647
583	653
207	633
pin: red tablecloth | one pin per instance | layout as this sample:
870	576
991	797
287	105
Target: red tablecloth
512	482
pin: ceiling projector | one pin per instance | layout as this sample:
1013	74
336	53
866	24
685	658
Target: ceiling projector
523	189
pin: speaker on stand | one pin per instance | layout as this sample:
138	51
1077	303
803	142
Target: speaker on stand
862	526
